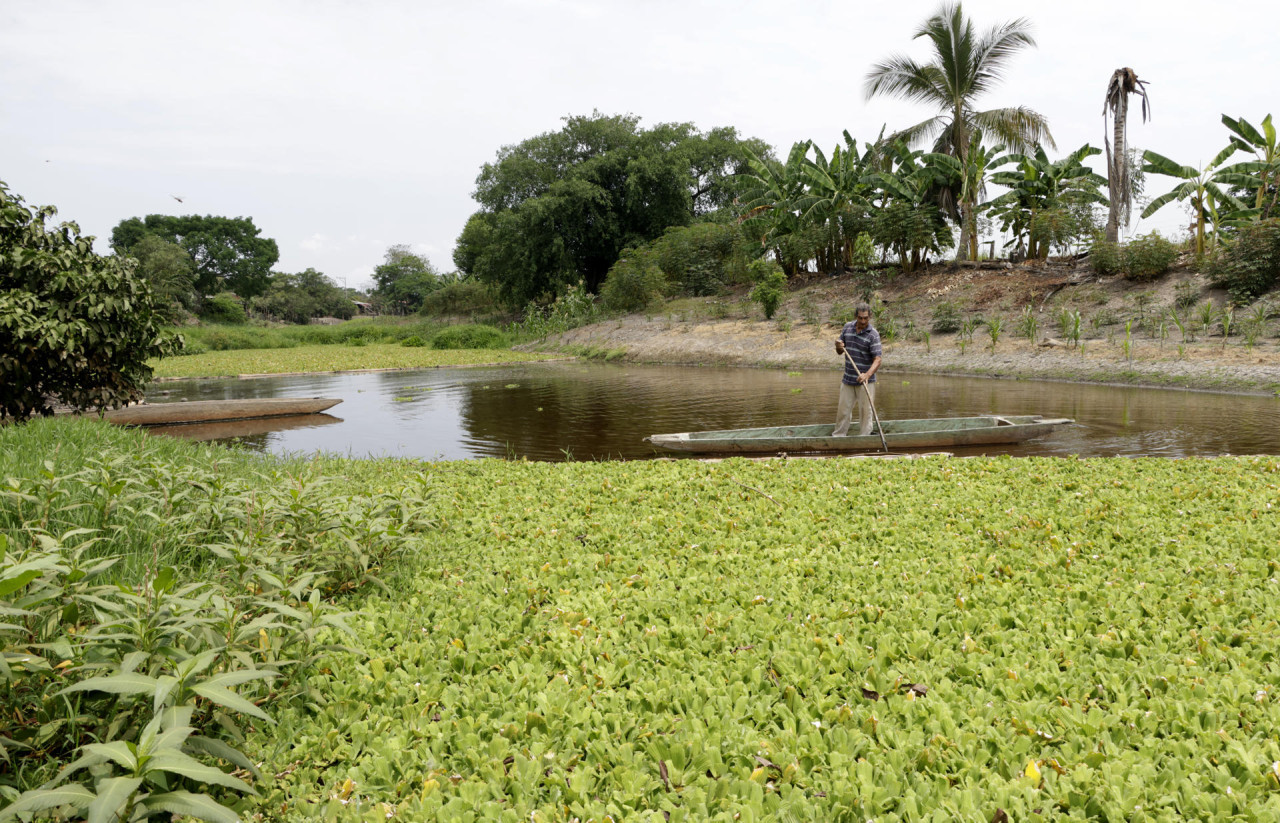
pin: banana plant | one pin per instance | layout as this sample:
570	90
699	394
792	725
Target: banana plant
1262	173
768	207
1203	188
837	198
908	219
1044	197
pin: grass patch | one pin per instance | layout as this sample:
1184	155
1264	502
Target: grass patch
363	330
329	358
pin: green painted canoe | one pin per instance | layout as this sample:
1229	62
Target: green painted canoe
933	433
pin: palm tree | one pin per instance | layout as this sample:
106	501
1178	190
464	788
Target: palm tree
1124	82
965	66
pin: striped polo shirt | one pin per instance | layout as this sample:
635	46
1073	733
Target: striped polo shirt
864	348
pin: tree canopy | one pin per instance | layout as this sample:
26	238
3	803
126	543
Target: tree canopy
403	281
296	298
559	208
76	328
228	253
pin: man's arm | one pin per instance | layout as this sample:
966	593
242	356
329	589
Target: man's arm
875	365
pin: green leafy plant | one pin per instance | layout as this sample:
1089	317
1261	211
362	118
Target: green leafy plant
1185	294
470	337
770	286
76	328
1106	257
995	326
1028	324
945	317
1148	256
1250	266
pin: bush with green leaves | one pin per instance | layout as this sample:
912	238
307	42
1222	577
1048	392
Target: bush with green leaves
1250	267
633	283
1147	256
470	336
576	307
414	342
76	328
459	297
770	285
1106	257
224	308
945	318
864	251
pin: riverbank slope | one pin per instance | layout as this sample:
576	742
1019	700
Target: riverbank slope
1127	334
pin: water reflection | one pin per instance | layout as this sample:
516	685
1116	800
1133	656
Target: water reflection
593	411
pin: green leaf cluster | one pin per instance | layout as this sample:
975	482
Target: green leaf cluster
76	328
561	207
132	688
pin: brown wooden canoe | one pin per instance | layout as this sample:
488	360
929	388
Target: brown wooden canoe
209	411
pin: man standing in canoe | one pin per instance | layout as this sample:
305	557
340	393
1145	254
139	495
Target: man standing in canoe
862	342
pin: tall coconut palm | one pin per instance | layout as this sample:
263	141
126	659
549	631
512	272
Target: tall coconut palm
1124	82
965	66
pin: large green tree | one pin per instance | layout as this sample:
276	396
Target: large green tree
403	281
297	298
76	328
228	252
965	66
559	208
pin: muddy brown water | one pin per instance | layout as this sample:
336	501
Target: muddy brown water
595	411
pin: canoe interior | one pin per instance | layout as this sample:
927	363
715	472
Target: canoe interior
823	430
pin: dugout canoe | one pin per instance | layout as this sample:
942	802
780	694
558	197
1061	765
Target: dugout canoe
932	433
211	411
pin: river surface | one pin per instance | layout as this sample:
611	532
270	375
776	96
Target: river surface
595	411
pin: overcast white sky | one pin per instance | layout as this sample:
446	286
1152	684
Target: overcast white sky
342	128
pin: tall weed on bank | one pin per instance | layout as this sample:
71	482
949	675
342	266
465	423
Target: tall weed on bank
153	599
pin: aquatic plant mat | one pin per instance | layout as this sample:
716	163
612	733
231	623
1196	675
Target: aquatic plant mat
825	640
813	640
325	358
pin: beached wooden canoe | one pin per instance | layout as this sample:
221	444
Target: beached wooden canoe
942	432
209	411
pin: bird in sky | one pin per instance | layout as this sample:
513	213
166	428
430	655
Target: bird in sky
176	197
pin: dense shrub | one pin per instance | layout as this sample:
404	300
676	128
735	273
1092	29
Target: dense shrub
224	308
771	285
459	297
633	283
470	337
1251	265
1147	256
1106	257
700	259
946	318
414	342
76	328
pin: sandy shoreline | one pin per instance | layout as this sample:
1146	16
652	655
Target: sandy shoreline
1204	366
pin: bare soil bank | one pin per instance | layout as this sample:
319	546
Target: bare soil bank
730	331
